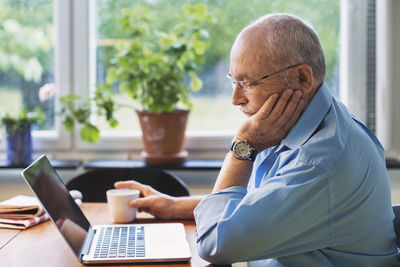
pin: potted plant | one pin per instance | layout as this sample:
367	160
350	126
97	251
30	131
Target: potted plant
157	70
18	135
18	126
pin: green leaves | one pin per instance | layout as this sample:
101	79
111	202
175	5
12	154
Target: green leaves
68	123
75	110
157	68
17	121
135	21
27	48
198	13
153	67
90	133
199	47
195	82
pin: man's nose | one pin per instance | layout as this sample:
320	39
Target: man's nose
238	97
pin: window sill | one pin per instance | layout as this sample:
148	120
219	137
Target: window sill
190	164
58	164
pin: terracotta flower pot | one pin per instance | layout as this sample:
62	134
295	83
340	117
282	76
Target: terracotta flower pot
163	136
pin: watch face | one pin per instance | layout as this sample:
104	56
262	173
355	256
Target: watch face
242	150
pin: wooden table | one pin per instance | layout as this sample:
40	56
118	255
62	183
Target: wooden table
42	245
6	235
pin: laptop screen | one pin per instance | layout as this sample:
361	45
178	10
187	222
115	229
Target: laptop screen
57	201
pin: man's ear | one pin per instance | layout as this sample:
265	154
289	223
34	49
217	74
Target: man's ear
305	78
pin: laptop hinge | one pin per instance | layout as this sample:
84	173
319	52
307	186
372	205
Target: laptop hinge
88	241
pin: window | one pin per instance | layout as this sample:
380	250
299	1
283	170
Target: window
27	57
213	113
35	54
75	47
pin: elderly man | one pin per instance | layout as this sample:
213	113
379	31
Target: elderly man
304	182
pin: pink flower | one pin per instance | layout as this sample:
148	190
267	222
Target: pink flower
47	91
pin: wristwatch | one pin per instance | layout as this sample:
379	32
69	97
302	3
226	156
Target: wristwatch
243	150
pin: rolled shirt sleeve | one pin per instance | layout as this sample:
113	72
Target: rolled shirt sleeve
287	214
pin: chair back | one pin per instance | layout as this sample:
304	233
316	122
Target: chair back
93	184
396	222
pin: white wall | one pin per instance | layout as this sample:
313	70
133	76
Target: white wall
395	185
388	76
353	36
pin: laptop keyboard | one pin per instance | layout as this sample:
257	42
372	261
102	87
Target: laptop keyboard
120	242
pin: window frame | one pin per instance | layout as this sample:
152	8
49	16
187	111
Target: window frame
353	71
387	80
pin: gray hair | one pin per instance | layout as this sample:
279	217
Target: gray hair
292	40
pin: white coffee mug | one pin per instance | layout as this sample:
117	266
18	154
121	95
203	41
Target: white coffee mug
118	204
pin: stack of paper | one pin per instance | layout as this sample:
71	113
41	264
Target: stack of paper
21	212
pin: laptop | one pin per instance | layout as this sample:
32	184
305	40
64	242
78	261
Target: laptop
114	243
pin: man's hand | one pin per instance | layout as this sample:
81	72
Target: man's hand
151	200
273	121
160	205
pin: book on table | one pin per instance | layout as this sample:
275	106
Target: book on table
21	212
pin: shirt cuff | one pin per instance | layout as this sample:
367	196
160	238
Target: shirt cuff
209	211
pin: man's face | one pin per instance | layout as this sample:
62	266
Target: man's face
248	63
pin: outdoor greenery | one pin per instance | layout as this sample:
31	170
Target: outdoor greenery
26	59
232	16
151	66
29	45
26	54
15	122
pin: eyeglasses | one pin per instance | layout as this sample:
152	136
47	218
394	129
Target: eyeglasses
243	84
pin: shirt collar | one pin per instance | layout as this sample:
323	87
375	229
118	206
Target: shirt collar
309	120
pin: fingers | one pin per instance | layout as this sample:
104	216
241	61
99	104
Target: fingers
140	203
280	105
274	119
267	107
296	114
291	106
144	189
292	103
154	205
128	184
284	108
275	106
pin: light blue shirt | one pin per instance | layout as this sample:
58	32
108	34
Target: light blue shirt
320	198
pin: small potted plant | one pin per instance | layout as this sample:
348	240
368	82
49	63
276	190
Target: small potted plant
158	71
18	127
18	135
